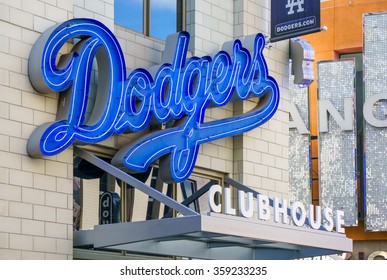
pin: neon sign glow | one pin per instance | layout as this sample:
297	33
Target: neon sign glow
181	89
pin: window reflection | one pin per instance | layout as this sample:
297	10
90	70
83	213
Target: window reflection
129	13
162	18
155	18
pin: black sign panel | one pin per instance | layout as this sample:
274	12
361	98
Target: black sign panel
106	208
109	208
292	18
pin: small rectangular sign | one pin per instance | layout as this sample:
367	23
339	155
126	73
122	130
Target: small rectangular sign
106	208
293	18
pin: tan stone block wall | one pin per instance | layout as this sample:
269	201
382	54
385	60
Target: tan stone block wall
32	193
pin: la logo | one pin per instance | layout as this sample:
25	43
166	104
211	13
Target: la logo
292	3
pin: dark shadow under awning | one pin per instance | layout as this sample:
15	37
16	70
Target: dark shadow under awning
214	236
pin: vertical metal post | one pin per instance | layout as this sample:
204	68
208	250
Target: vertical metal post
181	15
124	203
146	17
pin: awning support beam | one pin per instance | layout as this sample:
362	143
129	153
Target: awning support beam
196	195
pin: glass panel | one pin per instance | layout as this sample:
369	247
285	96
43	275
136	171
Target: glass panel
163	15
188	188
155	209
375	82
96	196
129	13
198	182
77	210
337	161
140	206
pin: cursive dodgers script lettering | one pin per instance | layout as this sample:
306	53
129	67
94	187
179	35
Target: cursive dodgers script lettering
180	89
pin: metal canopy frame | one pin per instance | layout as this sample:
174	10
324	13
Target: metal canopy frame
134	182
211	236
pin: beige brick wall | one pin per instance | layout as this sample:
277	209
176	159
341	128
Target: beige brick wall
36	194
102	10
35	216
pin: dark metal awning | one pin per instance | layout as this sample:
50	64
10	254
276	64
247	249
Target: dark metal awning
211	236
214	237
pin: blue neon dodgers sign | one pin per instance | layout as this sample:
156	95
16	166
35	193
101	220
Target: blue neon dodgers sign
180	89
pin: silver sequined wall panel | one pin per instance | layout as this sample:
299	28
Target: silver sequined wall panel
299	151
337	163
375	82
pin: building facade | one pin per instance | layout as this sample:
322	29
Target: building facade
50	204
